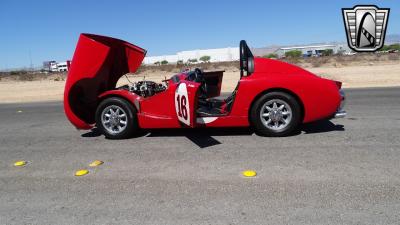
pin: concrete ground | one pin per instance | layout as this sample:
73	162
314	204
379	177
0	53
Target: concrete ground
343	171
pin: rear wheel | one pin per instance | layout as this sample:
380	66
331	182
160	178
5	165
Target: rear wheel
275	114
116	118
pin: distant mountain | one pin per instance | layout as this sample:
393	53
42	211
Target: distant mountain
265	50
272	48
389	39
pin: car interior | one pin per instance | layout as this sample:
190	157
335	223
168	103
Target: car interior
210	103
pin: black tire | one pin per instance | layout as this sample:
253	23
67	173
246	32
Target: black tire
131	126
259	124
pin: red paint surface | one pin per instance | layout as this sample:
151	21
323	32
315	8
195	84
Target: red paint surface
97	67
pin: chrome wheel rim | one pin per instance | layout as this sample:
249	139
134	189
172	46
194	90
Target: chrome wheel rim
114	119
276	114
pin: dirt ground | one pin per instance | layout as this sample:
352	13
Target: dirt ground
367	74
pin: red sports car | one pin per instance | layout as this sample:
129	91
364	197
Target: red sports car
272	96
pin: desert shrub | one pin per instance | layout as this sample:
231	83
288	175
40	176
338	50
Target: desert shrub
390	47
271	55
385	48
192	61
293	54
164	62
205	58
142	68
394	57
180	67
26	77
341	59
292	60
179	62
166	67
379	57
327	52
317	62
394	47
18	72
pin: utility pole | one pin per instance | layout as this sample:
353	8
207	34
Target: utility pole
30	59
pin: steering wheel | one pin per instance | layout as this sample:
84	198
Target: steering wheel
199	78
198	75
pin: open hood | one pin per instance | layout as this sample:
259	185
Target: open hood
97	65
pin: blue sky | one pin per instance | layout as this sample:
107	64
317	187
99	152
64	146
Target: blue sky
49	29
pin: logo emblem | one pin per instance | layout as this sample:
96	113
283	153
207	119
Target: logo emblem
365	27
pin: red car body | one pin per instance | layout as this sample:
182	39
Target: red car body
100	61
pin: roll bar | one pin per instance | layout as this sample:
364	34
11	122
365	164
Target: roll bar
246	59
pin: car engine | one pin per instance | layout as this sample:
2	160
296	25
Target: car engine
144	88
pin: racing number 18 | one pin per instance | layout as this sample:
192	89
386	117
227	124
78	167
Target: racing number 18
182	104
182	110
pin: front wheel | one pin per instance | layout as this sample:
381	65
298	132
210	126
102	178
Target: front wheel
275	114
116	118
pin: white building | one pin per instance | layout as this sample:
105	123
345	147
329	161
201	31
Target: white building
152	59
314	50
54	66
216	55
62	66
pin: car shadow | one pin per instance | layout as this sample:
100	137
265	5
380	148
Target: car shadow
92	133
204	137
321	126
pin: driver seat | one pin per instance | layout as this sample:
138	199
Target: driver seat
216	106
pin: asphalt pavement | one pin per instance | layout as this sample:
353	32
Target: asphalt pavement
343	171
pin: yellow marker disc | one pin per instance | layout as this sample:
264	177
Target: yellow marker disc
249	173
81	172
19	111
96	163
20	163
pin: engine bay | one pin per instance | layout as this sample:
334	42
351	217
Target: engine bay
144	88
210	83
